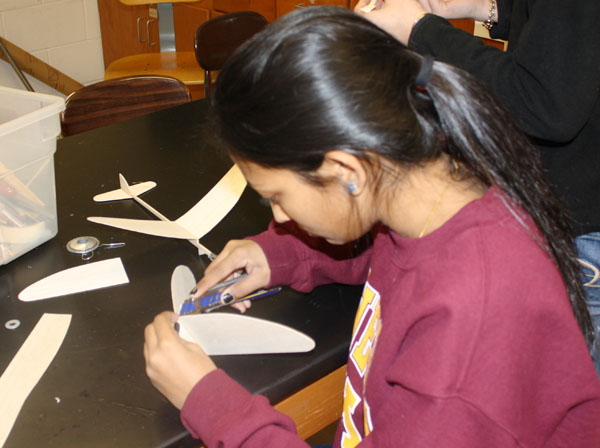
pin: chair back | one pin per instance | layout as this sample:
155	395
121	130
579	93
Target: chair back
119	99
218	38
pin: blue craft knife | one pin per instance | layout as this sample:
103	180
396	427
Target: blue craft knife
216	299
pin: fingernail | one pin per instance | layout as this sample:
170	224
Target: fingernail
226	298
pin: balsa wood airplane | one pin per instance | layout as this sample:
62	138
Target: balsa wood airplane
232	334
193	225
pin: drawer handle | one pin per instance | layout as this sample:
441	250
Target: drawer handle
148	31
140	40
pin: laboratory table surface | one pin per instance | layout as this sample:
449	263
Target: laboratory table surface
95	392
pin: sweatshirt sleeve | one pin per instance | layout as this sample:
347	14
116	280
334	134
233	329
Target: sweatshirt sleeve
549	82
304	262
224	414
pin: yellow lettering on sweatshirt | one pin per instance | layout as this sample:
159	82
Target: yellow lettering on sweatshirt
350	436
367	326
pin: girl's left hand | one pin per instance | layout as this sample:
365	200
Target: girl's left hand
173	365
397	17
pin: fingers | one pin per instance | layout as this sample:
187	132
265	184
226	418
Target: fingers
160	335
162	326
396	17
426	5
150	338
160	329
364	7
238	256
173	365
245	287
222	267
242	306
146	352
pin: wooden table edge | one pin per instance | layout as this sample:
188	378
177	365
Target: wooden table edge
317	405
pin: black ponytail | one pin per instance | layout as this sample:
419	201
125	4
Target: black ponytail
483	138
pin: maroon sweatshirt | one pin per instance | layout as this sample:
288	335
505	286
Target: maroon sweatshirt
463	338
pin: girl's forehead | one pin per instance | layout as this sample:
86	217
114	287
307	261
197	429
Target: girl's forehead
261	177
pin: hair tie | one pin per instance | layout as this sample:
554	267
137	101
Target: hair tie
424	73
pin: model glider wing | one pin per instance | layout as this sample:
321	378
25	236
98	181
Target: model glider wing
232	334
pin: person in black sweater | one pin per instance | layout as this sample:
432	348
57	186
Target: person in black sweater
548	79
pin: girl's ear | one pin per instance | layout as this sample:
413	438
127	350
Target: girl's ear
347	168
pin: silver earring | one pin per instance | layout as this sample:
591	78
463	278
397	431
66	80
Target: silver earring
351	187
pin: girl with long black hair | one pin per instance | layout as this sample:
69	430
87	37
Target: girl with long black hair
472	326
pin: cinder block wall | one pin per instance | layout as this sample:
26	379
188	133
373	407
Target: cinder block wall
62	33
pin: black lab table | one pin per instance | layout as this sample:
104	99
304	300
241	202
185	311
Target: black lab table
95	393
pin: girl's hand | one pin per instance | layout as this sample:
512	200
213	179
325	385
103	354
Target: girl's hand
397	17
173	365
458	9
238	256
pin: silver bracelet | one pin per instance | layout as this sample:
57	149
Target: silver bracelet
489	23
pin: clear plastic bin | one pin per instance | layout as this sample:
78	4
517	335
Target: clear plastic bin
29	125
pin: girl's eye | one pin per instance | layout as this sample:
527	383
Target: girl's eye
265	201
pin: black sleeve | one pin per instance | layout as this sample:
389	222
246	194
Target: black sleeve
501	29
550	77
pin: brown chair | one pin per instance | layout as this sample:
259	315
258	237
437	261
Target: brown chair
118	99
218	38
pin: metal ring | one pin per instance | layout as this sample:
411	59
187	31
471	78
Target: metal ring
13	324
83	244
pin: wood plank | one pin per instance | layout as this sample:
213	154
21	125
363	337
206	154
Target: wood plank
318	405
40	70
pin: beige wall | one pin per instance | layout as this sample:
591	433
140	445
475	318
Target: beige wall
62	33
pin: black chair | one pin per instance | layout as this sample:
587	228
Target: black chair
218	38
119	99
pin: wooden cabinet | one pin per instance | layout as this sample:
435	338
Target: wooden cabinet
133	29
130	29
187	17
130	36
127	30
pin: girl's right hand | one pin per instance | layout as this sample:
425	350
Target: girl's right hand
237	256
397	17
458	9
